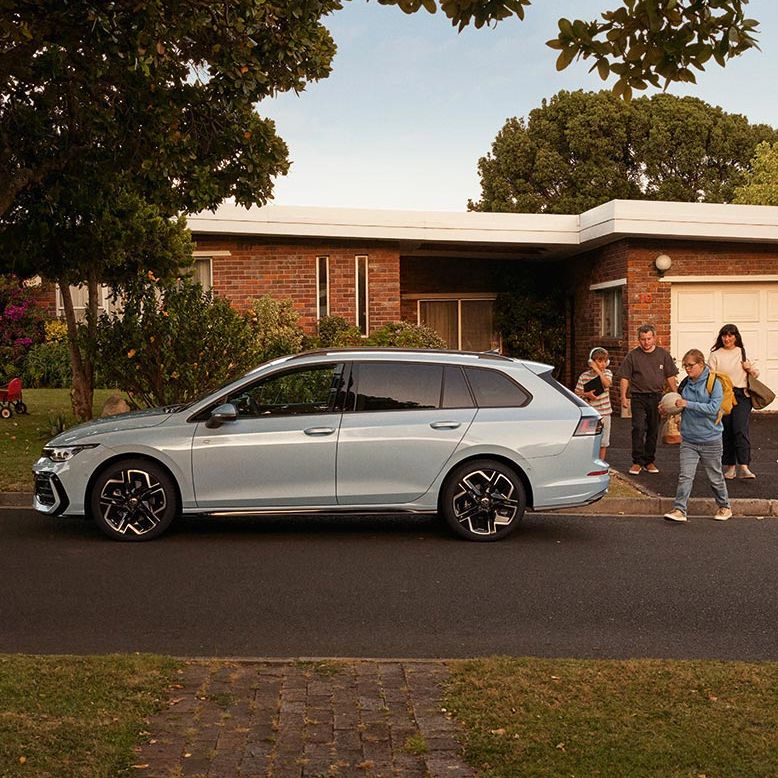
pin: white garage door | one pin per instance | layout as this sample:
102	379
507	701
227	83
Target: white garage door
699	311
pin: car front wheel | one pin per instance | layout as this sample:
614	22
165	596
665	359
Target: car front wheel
483	500
134	500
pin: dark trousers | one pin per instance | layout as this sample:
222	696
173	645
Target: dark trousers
737	443
645	427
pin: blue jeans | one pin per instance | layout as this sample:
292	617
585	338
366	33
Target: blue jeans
689	455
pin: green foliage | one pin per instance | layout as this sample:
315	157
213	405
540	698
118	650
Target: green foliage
403	334
531	316
642	42
580	149
47	365
336	332
275	328
164	92
761	187
172	343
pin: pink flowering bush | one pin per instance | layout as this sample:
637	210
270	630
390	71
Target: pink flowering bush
21	326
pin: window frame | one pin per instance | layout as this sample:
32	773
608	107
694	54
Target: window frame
319	314
362	307
459	299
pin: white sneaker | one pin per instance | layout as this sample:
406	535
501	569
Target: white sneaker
729	472
745	472
676	515
722	514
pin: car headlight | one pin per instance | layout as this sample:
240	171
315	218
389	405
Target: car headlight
64	453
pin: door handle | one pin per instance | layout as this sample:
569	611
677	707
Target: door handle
319	431
445	425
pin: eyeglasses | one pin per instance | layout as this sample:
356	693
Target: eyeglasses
690	365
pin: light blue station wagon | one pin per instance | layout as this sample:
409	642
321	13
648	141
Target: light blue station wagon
478	438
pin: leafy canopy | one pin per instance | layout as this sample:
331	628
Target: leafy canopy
761	187
581	149
642	42
165	91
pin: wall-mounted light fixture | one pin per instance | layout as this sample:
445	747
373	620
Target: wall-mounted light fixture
663	263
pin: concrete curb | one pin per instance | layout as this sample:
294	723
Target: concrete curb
657	506
609	506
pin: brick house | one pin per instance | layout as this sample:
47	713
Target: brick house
718	263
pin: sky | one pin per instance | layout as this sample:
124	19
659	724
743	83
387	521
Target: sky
411	105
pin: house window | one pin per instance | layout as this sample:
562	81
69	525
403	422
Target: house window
202	273
322	287
80	297
466	324
361	287
611	318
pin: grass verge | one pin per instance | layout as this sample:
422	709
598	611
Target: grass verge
76	717
22	437
538	717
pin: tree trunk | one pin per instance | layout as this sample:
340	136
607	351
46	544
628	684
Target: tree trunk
82	393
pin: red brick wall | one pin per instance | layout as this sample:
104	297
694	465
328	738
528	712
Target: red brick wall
288	270
646	296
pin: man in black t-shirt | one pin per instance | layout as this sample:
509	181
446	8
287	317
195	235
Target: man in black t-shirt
646	369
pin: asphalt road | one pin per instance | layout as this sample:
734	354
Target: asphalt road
289	587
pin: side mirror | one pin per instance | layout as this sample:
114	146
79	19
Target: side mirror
220	414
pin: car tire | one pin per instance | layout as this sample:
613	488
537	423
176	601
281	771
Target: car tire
134	500
483	500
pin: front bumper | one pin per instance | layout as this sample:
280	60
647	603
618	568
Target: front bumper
50	496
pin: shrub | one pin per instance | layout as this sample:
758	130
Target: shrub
172	343
47	365
21	326
403	334
275	328
336	332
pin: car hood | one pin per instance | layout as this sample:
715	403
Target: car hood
134	420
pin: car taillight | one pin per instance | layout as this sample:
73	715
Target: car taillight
589	425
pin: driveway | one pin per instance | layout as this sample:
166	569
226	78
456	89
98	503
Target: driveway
764	453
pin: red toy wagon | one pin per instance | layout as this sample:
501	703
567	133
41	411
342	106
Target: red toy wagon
11	399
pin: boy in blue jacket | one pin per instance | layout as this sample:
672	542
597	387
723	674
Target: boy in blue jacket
701	437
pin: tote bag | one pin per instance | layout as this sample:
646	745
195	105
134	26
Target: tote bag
761	395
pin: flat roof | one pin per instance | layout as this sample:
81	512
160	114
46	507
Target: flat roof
553	233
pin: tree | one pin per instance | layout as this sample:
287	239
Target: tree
581	149
164	91
761	186
134	110
641	41
91	231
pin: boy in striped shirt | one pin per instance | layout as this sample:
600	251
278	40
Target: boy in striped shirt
599	400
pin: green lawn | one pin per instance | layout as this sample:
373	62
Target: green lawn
22	437
77	717
639	718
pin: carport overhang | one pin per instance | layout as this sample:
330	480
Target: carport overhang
510	236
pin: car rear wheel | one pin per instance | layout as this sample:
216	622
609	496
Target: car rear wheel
134	499
483	500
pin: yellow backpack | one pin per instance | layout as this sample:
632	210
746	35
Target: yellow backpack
728	402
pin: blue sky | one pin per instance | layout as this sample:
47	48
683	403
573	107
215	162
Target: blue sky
411	104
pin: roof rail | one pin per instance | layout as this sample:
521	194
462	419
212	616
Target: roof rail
396	350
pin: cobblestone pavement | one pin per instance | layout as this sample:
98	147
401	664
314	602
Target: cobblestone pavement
283	719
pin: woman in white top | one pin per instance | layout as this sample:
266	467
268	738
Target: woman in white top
728	356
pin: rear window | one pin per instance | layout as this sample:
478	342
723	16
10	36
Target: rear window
493	389
563	390
391	386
